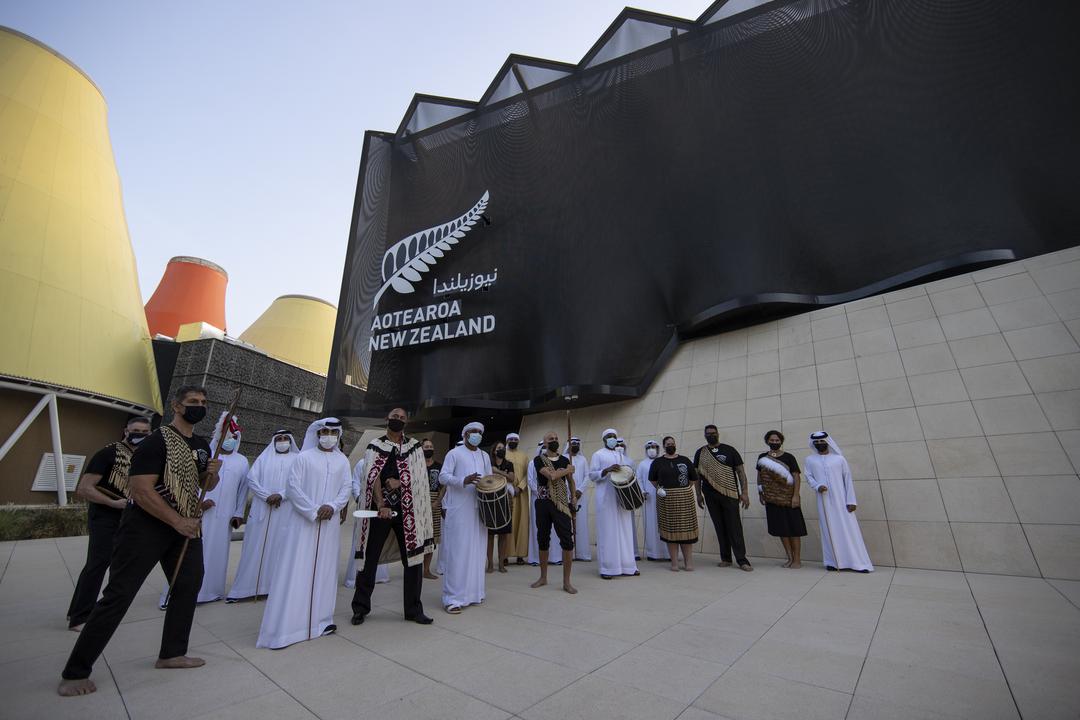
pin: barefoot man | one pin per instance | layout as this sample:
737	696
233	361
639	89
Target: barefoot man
552	480
166	471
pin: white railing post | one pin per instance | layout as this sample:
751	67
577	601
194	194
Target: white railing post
27	421
58	452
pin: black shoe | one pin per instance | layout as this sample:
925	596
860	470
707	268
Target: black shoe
830	568
329	630
357	619
606	577
420	619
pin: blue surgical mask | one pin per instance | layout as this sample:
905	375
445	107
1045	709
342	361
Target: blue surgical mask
229	444
611	443
474	439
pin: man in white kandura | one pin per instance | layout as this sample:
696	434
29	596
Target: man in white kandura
655	548
464	535
222	510
582	538
614	525
266	480
303	592
827	471
382	574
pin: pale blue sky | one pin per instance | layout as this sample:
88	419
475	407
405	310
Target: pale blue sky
237	126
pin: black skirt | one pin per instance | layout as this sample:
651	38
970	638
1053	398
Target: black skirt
785	522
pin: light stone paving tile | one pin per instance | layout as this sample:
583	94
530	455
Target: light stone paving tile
994	548
872	318
841	400
949	420
276	705
1059	372
701	374
924	545
1053	259
853	428
873	342
763	409
1056	549
954	457
1057	278
868	708
1008	289
1070	589
1030	454
761	341
796	356
989	381
887	394
909	310
28	690
1024	313
833	349
948	283
594	697
1011	415
701	395
682	681
935	689
1070	442
968	324
917	500
900	425
920	332
142	639
980	350
721	645
729	390
927	359
798	379
880	367
862	462
830	327
763	385
693	713
998	271
942	387
794	335
758	696
798	405
437	703
956	299
836	374
787	658
1062	408
513	681
1066	304
864	303
762	362
1051	499
1041	341
902	460
436	653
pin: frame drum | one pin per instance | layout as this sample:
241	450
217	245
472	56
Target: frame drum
494	501
627	488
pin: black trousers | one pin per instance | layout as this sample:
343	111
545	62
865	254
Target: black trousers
102	521
546	516
142	542
724	512
378	529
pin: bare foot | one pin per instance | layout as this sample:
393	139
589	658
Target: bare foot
674	568
539	583
490	569
76	628
689	568
795	565
429	576
567	587
181	662
787	563
502	568
71	688
724	563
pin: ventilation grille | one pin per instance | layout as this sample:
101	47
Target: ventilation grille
45	479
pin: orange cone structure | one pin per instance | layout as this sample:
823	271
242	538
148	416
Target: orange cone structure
191	290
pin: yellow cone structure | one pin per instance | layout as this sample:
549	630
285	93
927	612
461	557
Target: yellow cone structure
72	311
297	329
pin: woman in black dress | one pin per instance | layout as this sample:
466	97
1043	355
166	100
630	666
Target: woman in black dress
778	491
501	466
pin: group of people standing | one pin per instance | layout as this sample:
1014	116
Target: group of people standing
169	498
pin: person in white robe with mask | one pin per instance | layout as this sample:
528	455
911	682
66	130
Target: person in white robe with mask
266	480
464	535
828	473
303	592
582	536
222	511
382	575
655	548
614	525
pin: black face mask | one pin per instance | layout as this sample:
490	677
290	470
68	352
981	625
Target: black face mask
669	449
775	445
821	447
712	439
429	453
553	446
194	413
512	445
575	449
395	425
500	453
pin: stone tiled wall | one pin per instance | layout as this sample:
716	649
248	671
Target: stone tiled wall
957	404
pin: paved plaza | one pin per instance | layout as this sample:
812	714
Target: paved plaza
715	643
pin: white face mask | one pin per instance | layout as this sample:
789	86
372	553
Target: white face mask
651	452
282	446
610	443
229	444
474	439
328	442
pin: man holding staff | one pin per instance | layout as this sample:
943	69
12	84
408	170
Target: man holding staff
827	471
167	470
555	505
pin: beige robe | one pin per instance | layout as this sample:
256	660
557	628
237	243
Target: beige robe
519	538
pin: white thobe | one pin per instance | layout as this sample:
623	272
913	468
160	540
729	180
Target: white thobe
534	544
229	496
382	573
832	471
582	539
464	537
267	477
655	548
614	525
303	592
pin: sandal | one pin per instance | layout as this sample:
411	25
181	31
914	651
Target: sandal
453	609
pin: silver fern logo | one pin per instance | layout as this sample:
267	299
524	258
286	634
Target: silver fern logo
406	261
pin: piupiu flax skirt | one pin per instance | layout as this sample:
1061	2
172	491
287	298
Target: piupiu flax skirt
676	514
436	518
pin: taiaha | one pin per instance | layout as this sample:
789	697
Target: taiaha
828	529
314	567
226	424
573	500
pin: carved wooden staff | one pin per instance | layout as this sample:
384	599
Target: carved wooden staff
202	492
573	500
262	553
315	565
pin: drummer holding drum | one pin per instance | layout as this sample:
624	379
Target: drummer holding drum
615	486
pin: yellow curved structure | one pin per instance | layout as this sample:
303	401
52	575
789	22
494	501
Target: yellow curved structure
298	329
72	310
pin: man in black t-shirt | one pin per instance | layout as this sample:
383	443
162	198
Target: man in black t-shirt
724	487
555	504
105	502
166	472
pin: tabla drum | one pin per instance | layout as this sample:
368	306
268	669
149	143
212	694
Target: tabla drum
494	501
626	488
